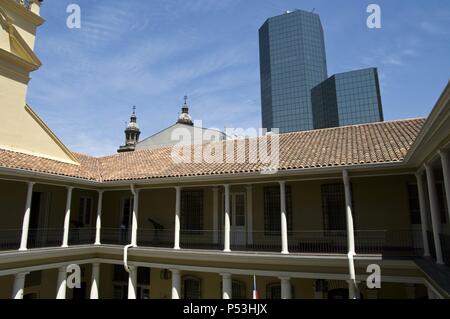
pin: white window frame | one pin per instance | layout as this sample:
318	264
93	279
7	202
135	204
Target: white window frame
83	202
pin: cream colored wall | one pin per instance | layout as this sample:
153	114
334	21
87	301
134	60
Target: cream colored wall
306	206
6	286
159	288
57	206
26	29
159	205
111	208
75	207
5	42
12	204
105	284
20	130
379	203
47	288
382	202
210	285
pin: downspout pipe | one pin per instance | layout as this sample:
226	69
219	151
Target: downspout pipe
132	244
350	236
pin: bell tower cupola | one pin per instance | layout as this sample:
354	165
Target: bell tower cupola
132	133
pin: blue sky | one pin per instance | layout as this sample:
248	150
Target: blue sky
151	53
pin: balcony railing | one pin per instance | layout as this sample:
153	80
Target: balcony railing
25	3
201	239
81	236
45	238
388	243
10	239
115	236
150	237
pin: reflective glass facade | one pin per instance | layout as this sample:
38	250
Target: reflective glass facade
347	98
292	62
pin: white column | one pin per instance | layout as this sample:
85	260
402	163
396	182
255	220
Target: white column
134	223
65	242
227	224
284	225
132	282
95	280
350	236
227	286
177	217
249	189
19	284
286	290
215	191
98	222
62	283
423	214
26	217
435	217
446	173
176	283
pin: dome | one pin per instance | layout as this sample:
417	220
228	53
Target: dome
185	118
133	126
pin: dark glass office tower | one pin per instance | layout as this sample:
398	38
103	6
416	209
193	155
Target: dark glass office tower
347	98
292	62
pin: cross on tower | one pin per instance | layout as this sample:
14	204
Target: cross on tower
185	99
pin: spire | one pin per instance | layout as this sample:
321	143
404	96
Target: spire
184	117
132	133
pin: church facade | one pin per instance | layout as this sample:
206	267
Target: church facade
182	133
140	224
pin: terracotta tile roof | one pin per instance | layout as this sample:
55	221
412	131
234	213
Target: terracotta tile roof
385	142
88	168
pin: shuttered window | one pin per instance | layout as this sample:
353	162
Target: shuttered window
333	206
192	210
272	209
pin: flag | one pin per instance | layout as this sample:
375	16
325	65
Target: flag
255	291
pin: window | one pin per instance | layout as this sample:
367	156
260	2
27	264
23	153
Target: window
120	283
440	189
414	205
33	279
85	211
239	210
127	212
239	290
192	210
333	206
273	291
272	204
191	288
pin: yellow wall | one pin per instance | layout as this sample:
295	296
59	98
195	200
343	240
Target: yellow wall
24	26
20	129
12	204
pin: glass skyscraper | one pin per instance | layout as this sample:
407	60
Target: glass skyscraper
292	62
347	98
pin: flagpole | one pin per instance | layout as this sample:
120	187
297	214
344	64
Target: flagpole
255	291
